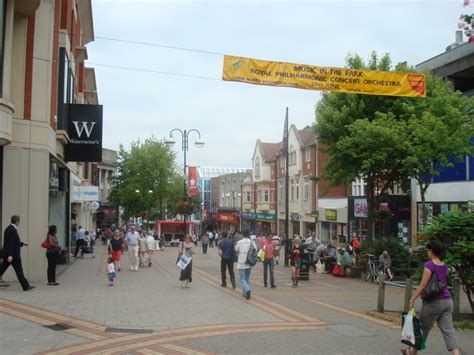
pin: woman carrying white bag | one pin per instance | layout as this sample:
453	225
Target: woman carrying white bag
437	300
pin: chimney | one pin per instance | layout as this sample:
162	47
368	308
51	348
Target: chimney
458	37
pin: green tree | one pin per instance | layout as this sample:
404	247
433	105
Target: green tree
439	129
456	231
362	137
144	180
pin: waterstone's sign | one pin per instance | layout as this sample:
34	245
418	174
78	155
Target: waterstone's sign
355	81
85	133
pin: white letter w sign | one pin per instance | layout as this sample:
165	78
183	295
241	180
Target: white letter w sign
83	128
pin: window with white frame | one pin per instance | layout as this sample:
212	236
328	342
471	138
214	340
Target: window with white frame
257	168
248	196
266	196
292	189
280	190
308	154
297	185
290	155
306	188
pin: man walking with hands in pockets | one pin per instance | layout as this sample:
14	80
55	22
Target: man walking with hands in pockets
132	240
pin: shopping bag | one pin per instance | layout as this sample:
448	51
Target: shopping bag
184	261
261	254
411	330
319	267
336	270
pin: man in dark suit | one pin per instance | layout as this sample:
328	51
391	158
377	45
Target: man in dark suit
12	253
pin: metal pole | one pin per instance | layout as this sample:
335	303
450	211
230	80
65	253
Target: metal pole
287	204
408	294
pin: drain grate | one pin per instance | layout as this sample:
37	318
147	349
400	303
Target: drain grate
128	330
59	326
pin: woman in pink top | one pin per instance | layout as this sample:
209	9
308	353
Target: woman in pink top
441	308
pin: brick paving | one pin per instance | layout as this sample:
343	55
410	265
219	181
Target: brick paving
325	315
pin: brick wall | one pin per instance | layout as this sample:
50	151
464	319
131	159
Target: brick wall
30	40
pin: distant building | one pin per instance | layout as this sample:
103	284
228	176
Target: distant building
227	200
205	174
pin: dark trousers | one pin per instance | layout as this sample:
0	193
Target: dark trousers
16	263
204	248
52	262
79	245
268	264
329	263
229	264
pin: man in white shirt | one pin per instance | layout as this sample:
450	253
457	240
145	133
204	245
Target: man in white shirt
80	240
242	248
132	241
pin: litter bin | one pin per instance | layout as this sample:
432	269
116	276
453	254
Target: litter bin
304	270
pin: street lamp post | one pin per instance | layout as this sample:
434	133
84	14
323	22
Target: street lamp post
184	147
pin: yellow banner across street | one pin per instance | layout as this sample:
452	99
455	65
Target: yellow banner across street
356	81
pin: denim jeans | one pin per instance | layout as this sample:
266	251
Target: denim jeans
245	279
268	265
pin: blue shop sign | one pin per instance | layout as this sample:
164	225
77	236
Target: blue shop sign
265	217
248	215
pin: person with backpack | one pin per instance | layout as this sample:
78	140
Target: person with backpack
247	257
437	301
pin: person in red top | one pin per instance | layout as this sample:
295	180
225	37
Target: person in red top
355	245
268	246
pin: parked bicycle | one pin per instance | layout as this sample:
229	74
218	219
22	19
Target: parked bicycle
371	273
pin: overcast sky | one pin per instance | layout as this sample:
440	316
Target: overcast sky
231	116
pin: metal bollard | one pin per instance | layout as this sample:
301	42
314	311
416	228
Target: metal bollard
408	294
381	295
456	297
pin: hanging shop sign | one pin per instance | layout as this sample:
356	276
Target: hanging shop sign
360	207
295	217
331	214
85	133
85	193
192	181
356	81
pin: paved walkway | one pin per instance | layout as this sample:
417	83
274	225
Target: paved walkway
147	312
